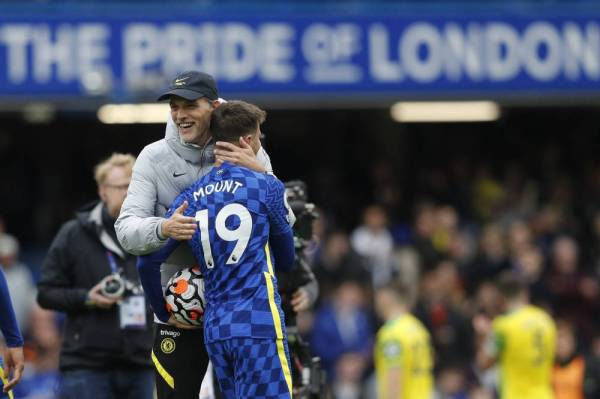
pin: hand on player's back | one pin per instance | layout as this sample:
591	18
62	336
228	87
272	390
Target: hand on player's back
242	156
179	227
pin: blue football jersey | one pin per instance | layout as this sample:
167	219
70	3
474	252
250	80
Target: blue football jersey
236	209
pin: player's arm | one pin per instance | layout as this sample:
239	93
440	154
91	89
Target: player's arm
13	355
392	352
393	383
149	265
138	229
281	237
149	270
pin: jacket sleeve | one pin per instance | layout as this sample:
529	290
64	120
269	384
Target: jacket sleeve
137	227
55	287
312	286
265	160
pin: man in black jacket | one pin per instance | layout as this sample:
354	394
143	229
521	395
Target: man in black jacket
87	274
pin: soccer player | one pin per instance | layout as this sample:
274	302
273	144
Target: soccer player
403	354
237	211
522	342
13	356
162	171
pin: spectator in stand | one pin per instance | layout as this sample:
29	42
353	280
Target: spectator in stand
374	242
424	229
572	377
592	261
529	265
451	384
592	385
20	280
342	326
446	226
462	249
349	371
491	260
574	295
519	238
338	261
440	310
488	194
487	300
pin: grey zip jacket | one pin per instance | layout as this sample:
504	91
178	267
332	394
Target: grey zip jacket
161	172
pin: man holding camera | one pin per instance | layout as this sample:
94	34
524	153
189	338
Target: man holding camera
88	275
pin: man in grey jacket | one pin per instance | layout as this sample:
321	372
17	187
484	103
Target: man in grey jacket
163	169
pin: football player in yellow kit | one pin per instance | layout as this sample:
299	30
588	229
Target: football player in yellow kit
522	341
403	354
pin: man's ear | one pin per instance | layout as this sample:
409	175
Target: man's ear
247	138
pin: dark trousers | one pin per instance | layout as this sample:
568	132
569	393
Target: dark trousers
111	383
180	361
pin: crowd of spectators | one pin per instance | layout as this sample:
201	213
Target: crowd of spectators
456	240
458	235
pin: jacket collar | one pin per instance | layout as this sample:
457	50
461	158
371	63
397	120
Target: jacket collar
95	219
190	152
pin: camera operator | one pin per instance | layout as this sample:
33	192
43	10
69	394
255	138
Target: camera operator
299	290
87	274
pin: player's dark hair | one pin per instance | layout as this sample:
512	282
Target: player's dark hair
233	119
510	286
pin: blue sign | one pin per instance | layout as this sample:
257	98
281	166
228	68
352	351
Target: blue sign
405	57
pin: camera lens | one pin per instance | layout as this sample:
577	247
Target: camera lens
113	287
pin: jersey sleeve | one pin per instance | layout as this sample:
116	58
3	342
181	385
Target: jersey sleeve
149	271
281	237
391	352
149	265
8	321
279	211
186	195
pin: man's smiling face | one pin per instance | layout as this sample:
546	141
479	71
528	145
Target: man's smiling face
192	118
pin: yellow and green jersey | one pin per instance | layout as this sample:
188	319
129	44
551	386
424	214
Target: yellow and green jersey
524	341
404	344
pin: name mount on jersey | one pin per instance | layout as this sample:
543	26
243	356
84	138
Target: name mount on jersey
228	185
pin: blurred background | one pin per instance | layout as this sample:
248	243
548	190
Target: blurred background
444	142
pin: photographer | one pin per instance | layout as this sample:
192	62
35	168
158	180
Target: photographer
299	290
87	274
